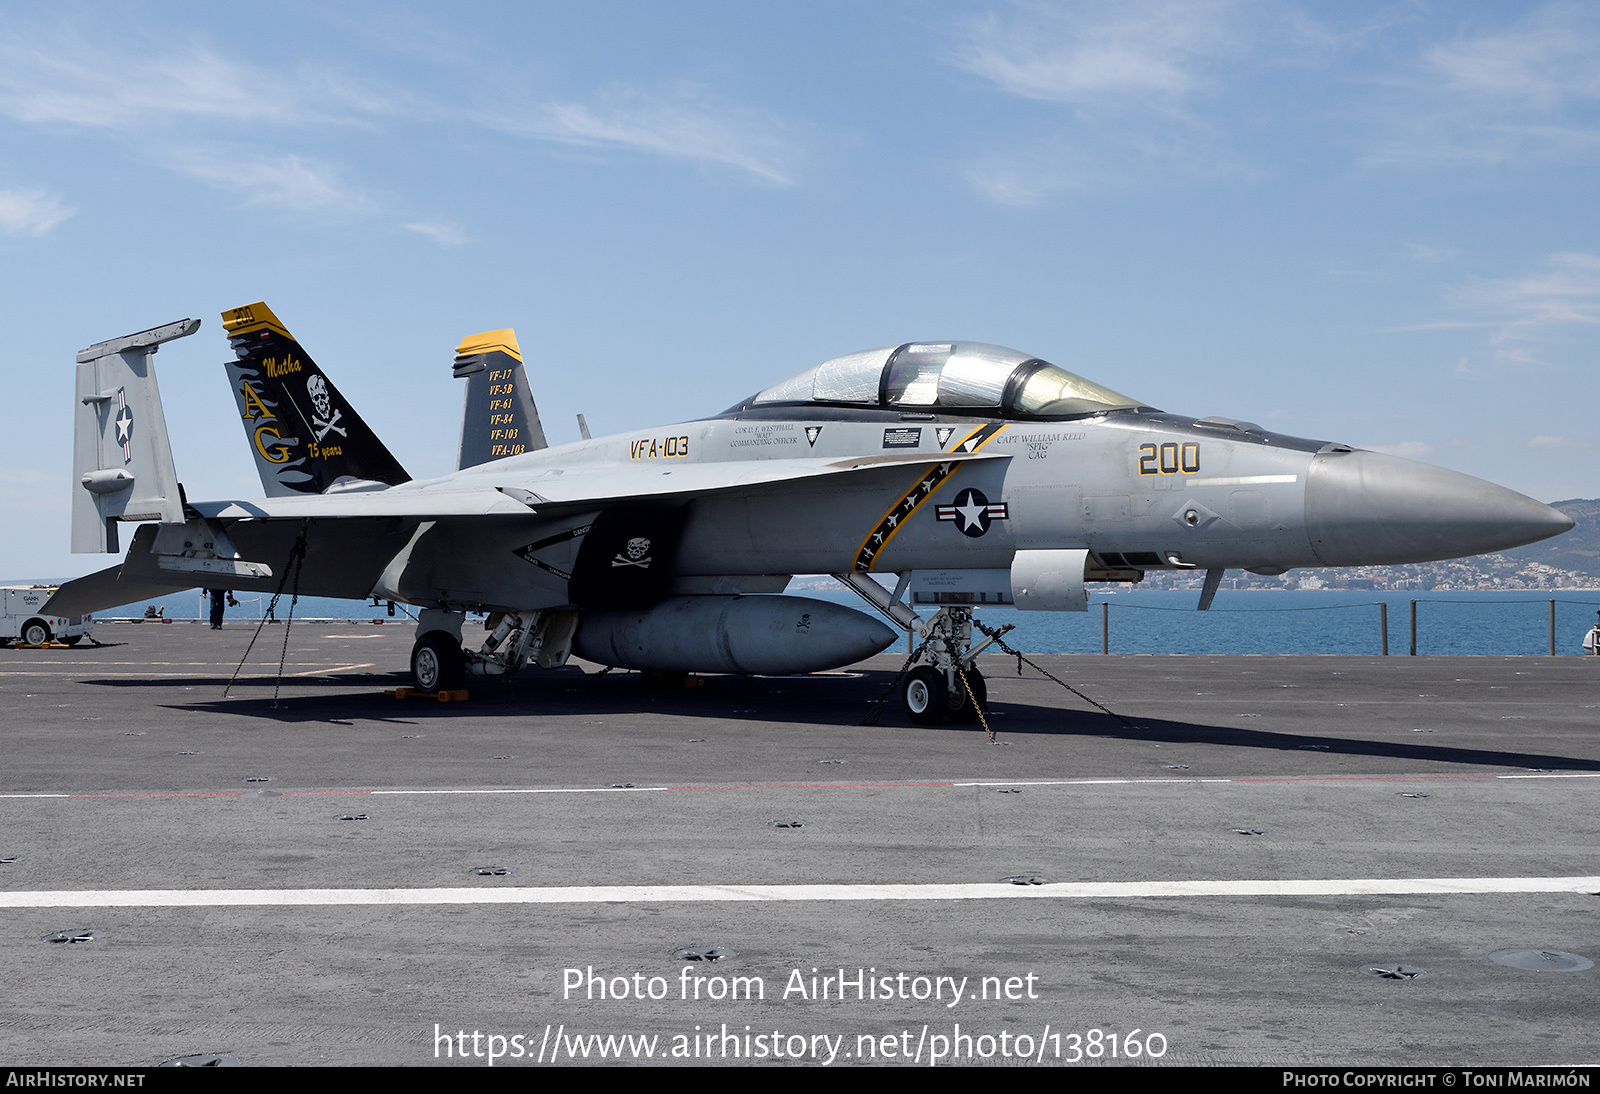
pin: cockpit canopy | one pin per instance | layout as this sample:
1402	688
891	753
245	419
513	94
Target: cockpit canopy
936	376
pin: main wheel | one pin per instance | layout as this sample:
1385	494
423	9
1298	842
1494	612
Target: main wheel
924	695
36	633
437	663
961	708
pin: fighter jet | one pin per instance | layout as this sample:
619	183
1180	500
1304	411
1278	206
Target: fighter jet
970	473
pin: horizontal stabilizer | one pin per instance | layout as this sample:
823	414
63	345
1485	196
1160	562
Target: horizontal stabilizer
105	589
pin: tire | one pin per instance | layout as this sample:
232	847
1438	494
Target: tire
74	640
437	663
924	695
960	709
35	633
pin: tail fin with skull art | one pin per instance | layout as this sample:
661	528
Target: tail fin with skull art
305	437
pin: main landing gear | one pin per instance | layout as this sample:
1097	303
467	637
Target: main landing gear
439	661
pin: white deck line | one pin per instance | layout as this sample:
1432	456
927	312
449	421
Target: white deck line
711	894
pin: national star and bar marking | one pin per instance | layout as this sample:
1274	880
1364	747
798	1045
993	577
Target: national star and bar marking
124	423
892	520
973	511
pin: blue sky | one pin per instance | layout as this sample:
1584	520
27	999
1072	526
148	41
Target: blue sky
1366	222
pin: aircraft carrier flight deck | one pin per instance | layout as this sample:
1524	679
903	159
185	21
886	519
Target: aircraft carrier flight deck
1250	860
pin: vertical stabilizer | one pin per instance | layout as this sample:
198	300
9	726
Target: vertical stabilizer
121	458
304	436
500	419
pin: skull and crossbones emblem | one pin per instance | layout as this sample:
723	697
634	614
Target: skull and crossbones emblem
634	554
324	418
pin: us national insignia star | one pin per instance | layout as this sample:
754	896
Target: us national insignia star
973	512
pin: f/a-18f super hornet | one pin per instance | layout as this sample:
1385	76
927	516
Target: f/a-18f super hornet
972	473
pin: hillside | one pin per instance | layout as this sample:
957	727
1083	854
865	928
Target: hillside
1578	550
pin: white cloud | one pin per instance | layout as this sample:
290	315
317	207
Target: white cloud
163	99
689	125
441	232
1134	81
61	79
31	212
1544	62
1565	291
179	103
1527	315
1163	89
1523	93
1151	53
1548	440
283	182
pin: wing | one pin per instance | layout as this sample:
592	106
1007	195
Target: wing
565	490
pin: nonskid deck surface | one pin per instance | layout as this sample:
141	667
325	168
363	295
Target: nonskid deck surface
1421	806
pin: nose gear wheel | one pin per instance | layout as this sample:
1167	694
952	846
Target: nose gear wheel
969	699
924	695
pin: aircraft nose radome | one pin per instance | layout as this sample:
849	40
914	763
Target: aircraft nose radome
1368	509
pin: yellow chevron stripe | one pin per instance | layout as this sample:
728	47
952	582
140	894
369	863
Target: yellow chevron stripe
867	554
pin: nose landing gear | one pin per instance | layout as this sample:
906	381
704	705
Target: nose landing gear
969	697
947	684
924	695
